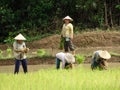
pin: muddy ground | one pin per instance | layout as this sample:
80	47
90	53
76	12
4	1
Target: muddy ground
35	68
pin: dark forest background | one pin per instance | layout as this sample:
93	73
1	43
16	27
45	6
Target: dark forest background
43	17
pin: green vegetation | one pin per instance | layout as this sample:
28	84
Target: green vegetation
9	52
41	52
115	54
51	79
1	54
79	58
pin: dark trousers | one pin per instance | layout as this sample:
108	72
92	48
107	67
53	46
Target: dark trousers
17	65
57	63
68	45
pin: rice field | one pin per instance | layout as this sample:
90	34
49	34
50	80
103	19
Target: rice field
79	78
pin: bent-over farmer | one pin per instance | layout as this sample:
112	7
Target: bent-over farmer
99	59
20	51
67	60
67	35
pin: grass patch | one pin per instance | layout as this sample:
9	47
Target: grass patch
115	54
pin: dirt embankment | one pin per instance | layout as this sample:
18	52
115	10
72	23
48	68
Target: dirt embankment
86	39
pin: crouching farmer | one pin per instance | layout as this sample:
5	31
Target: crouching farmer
67	60
99	59
20	50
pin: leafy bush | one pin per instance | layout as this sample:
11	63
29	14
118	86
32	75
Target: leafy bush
79	58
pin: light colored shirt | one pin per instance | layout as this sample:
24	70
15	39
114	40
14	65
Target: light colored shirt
67	30
61	56
17	47
70	58
65	58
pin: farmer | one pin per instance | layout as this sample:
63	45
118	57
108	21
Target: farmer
99	59
67	35
19	52
67	60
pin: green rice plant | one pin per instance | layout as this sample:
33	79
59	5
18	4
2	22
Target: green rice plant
51	79
1	56
41	52
115	54
9	52
79	58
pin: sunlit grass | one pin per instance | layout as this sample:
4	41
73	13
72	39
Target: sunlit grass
51	79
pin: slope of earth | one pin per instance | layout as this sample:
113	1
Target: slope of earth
86	39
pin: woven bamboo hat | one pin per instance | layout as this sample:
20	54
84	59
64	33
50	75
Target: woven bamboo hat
104	54
20	37
68	17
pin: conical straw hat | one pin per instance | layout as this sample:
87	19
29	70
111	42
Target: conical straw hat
68	17
104	55
20	37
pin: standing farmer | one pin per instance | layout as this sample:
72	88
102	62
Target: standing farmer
19	52
67	34
99	59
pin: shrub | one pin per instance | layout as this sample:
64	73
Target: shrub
79	58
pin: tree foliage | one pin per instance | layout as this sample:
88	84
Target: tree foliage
45	16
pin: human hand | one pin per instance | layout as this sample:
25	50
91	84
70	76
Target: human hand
26	50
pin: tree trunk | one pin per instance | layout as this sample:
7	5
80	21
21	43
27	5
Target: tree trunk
119	15
106	19
111	20
110	13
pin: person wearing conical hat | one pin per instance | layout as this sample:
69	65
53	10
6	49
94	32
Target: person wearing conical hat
99	59
20	51
67	35
67	60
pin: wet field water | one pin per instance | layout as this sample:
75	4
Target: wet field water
35	68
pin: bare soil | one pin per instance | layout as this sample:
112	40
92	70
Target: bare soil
86	39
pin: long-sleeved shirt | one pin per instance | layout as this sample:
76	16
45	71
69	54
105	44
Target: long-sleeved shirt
17	47
61	56
67	30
